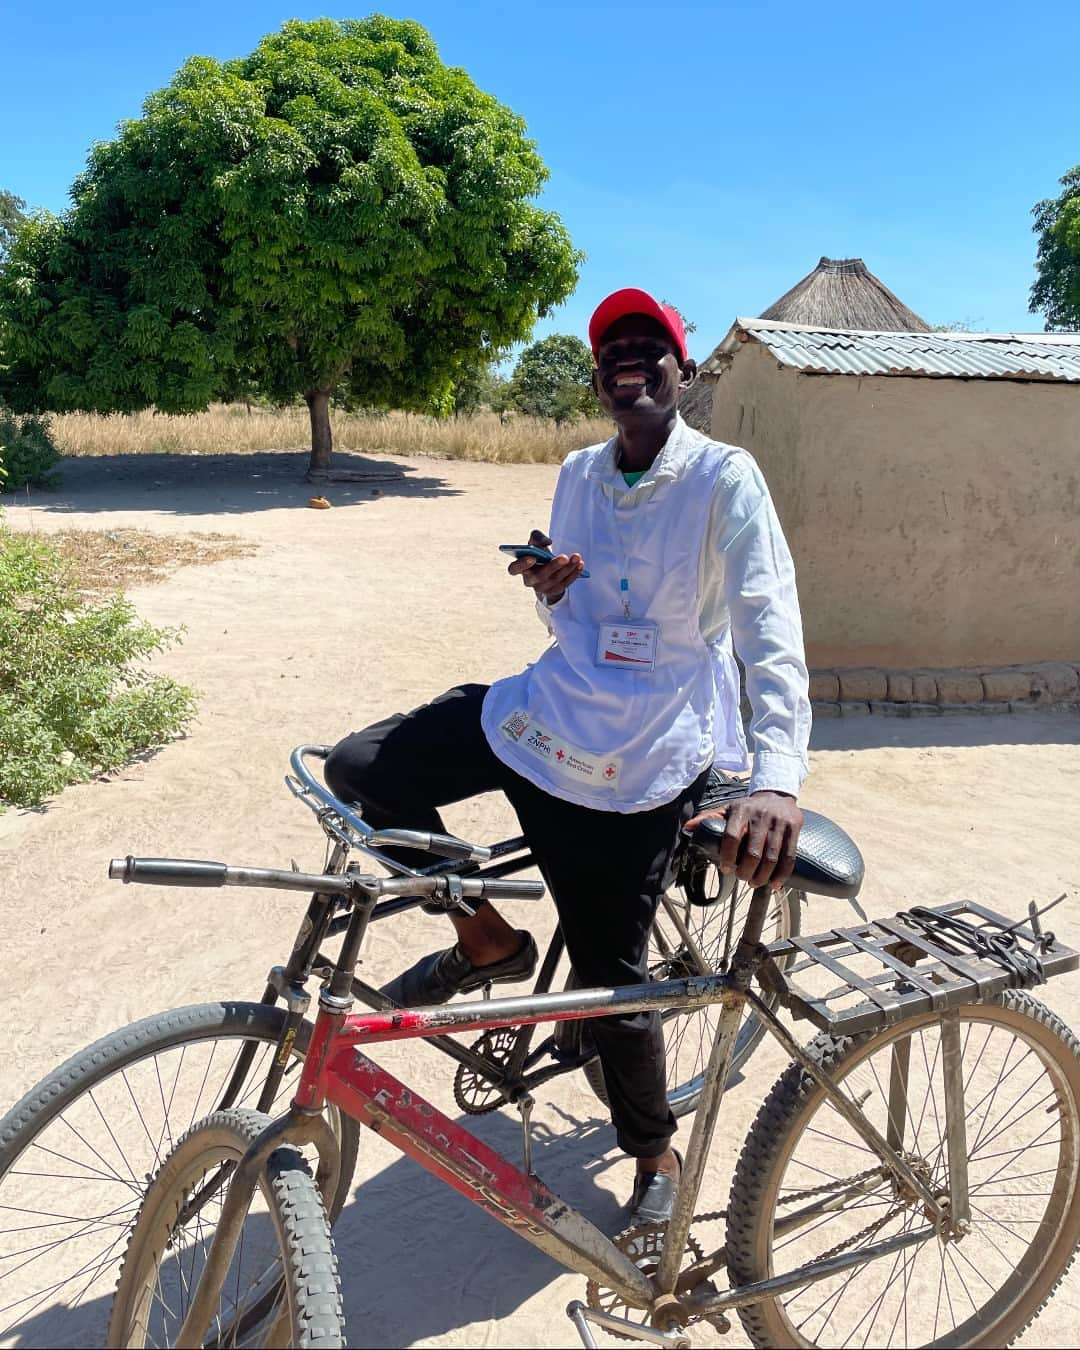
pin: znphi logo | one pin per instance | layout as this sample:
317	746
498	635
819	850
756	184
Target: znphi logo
541	741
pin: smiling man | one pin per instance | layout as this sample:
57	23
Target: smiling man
603	746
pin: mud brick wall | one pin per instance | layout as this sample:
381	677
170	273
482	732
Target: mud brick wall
928	693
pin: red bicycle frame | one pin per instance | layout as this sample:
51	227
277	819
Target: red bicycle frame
336	1071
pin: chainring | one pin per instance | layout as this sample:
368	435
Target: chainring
474	1093
644	1244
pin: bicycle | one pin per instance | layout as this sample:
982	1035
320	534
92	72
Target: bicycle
850	1168
76	1150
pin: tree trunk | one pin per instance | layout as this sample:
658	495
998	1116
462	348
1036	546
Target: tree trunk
322	441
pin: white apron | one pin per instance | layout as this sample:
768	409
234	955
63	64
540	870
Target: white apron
617	737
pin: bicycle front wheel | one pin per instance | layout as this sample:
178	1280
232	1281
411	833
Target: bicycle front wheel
281	1287
77	1151
807	1187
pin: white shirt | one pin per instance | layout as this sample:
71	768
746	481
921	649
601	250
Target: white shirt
746	584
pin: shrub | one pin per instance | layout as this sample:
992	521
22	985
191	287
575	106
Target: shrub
28	456
73	701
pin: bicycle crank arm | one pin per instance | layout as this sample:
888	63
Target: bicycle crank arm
581	1316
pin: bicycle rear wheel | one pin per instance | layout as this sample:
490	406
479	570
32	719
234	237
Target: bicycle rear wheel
807	1187
281	1288
694	938
77	1150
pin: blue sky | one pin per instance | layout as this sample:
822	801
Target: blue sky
709	152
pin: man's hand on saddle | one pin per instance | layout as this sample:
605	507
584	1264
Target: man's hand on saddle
549	580
760	837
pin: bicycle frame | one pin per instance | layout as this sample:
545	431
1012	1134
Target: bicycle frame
337	1072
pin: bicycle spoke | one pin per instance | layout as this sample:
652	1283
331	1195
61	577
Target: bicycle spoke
68	1202
63	1120
912	1298
202	1086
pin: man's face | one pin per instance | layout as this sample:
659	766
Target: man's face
638	370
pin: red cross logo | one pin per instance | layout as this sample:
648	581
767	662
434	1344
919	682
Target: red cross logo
559	754
609	772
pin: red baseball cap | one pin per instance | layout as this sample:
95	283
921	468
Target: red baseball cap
632	301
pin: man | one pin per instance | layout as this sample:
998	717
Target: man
604	745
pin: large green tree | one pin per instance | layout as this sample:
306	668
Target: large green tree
337	211
11	217
1056	292
551	379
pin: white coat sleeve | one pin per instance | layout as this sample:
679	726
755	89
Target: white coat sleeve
766	628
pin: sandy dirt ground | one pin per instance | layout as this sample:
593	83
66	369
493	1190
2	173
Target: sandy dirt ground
340	617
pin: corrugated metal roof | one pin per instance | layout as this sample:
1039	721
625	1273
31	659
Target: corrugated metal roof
996	356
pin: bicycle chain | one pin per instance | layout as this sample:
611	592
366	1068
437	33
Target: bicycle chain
830	1186
594	1291
867	1232
716	1215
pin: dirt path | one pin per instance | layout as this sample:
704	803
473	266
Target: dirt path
340	617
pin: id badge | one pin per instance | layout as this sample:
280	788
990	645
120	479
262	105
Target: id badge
627	644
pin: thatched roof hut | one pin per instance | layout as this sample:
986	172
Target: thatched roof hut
844	293
696	405
839	293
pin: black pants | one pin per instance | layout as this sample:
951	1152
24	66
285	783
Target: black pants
606	872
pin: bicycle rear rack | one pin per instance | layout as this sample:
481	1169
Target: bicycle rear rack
915	962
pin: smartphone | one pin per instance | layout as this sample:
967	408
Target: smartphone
531	551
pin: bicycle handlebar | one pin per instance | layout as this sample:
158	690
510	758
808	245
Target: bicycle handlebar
303	784
194	872
442	845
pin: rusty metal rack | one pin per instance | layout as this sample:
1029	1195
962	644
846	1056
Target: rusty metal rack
919	961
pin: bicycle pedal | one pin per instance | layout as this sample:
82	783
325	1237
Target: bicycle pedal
581	1316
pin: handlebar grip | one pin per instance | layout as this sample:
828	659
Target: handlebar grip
447	846
442	845
509	890
168	871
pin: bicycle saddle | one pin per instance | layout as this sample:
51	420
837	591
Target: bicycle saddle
827	861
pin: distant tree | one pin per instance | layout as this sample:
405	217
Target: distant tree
551	379
337	211
481	388
11	215
958	326
688	324
1056	292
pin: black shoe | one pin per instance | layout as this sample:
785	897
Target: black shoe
438	977
654	1196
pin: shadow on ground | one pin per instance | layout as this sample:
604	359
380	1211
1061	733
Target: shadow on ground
416	1259
230	484
1051	726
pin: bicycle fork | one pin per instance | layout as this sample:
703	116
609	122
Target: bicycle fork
295	1128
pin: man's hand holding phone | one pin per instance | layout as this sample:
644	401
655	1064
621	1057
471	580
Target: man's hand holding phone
548	579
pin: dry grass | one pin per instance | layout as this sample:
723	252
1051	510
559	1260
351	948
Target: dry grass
112	560
231	429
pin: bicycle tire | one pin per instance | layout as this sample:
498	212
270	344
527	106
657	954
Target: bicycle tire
75	1089
308	1281
685	1093
789	1113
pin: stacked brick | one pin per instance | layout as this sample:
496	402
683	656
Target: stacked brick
930	693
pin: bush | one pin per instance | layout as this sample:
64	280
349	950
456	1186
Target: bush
28	456
72	701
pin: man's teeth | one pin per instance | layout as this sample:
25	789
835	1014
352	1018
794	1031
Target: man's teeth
629	379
